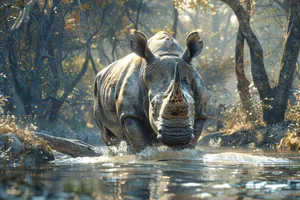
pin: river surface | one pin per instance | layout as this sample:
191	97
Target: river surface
160	173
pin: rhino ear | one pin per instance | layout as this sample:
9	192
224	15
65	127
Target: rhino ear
139	45
194	46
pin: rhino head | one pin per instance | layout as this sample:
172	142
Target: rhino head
167	75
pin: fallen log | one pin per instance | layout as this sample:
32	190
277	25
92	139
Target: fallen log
74	148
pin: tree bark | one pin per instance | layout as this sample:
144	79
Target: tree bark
242	81
288	65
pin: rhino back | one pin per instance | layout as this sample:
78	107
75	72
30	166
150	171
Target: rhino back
118	93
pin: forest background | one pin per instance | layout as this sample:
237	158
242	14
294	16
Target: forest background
51	50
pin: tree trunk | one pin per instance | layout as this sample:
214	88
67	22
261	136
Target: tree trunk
259	74
54	68
242	81
175	22
215	26
35	84
288	66
93	62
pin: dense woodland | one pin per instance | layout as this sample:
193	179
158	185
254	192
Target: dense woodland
51	50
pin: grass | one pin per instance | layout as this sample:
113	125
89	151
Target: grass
235	119
292	140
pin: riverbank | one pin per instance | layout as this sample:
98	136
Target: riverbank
256	136
239	131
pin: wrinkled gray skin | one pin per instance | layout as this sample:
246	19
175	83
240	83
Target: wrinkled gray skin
153	95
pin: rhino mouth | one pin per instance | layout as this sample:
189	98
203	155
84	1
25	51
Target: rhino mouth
174	136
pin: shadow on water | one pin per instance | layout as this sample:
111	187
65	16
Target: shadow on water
160	173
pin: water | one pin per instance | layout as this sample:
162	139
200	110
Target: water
160	173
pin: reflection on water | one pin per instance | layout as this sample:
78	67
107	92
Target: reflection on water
165	174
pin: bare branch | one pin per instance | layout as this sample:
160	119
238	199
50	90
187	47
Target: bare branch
74	148
138	14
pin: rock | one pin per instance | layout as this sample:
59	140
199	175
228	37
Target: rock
16	148
12	143
274	134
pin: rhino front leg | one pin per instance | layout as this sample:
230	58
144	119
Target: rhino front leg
198	126
137	134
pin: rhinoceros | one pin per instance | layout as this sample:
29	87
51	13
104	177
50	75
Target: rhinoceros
152	96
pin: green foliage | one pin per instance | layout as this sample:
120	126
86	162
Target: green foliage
205	4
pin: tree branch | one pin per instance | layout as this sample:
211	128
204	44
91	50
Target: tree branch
70	88
138	14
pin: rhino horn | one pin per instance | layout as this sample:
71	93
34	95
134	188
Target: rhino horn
176	92
176	105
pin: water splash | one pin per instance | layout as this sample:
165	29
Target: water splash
164	153
242	158
67	160
121	150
